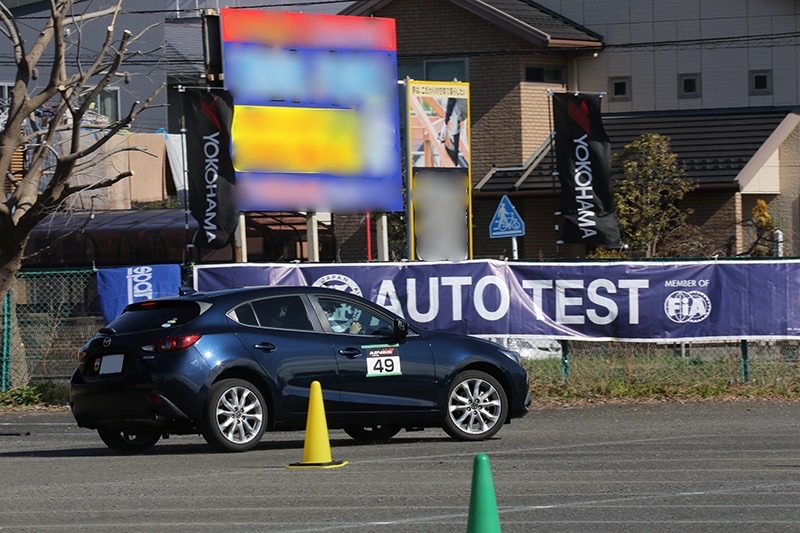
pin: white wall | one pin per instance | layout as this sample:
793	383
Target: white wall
683	34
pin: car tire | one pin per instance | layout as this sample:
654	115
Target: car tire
129	442
372	434
477	406
235	416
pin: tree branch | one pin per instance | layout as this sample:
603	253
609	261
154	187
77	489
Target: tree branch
136	108
12	32
97	159
63	236
105	182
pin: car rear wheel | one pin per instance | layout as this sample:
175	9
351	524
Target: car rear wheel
477	406
235	416
372	434
129	441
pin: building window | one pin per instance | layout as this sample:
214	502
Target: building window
689	85
107	104
545	75
104	109
435	70
760	82
620	88
5	102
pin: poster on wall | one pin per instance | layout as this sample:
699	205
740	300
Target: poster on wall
438	133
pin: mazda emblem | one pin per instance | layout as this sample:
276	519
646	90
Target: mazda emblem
106	342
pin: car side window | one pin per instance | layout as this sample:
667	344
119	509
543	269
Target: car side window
282	312
346	317
244	314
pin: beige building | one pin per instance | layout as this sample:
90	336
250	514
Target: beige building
719	77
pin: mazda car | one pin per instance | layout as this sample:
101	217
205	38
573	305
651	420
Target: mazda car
232	364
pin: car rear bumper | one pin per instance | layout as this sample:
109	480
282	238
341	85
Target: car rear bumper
96	405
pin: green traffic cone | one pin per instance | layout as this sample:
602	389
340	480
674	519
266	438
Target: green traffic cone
483	517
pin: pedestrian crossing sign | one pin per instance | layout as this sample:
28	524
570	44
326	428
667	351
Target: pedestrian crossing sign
506	221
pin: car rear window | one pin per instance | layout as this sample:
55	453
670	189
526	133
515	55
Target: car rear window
155	314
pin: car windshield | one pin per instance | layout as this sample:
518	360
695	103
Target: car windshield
155	315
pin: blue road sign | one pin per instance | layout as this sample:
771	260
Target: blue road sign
506	221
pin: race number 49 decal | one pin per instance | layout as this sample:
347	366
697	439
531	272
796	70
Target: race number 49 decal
383	360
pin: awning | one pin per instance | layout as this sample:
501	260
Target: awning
158	236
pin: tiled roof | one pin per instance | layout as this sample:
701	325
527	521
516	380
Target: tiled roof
713	145
545	20
524	18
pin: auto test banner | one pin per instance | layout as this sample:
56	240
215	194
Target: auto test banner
621	301
118	287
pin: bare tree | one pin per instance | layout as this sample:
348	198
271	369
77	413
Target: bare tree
61	107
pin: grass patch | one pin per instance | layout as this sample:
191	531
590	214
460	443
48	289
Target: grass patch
631	374
44	393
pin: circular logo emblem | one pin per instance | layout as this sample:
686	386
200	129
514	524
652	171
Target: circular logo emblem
340	315
338	282
106	342
687	306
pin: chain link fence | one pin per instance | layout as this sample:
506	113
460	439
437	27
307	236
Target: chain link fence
46	316
659	370
49	314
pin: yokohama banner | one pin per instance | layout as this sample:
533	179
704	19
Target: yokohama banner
635	301
211	178
583	159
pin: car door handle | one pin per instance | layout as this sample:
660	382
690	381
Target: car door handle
266	346
350	352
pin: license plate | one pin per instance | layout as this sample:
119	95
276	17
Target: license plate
111	364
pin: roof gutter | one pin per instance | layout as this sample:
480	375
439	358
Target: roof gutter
495	16
766	150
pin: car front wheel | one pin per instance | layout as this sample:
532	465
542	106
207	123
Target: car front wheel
477	406
372	434
129	441
235	417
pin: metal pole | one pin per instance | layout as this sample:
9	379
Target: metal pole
382	231
312	237
565	360
368	223
240	241
745	362
188	248
5	357
514	249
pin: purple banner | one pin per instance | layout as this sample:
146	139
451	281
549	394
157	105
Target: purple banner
620	301
118	287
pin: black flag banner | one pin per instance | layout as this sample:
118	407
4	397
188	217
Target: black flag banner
583	160
211	175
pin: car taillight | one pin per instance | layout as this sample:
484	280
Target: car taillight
172	344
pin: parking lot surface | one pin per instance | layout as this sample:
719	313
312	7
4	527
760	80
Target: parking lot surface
666	467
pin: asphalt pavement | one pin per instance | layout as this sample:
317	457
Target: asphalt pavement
670	467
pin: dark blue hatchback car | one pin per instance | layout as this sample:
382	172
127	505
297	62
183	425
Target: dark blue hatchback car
232	364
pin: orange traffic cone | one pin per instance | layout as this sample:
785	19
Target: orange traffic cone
317	447
483	516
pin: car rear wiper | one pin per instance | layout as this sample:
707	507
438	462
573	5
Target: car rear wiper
107	331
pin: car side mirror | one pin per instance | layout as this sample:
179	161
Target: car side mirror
400	329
